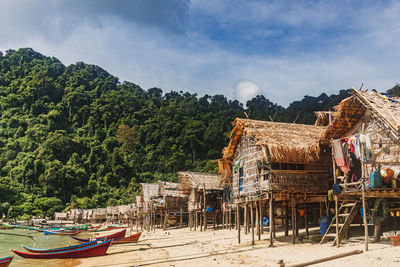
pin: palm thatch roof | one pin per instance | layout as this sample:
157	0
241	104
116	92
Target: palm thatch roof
149	191
284	141
199	181
168	189
351	110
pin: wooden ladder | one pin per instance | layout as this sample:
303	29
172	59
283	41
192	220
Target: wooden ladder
344	215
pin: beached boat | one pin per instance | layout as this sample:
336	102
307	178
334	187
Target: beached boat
117	235
129	239
85	252
48	250
4	262
113	227
62	232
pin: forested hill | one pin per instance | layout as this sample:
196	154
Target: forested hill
76	136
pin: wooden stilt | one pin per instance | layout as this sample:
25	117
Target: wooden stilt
223	218
261	218
246	218
293	222
286	219
238	221
306	220
195	220
230	219
252	223
257	219
365	216
181	219
272	221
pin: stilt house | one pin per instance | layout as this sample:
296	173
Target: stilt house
204	193
365	139
268	162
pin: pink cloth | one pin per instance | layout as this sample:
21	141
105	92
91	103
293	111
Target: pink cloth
339	156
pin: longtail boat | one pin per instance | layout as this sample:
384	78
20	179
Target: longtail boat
62	232
117	235
129	239
4	262
85	252
112	227
48	250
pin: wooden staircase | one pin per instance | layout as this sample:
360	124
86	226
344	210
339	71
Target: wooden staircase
346	213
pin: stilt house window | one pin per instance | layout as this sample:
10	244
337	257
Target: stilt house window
240	179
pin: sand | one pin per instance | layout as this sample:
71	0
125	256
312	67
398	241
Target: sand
182	247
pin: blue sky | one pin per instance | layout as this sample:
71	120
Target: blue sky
239	48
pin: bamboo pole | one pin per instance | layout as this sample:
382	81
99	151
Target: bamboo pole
341	255
204	210
336	201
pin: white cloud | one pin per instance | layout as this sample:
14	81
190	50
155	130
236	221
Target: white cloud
246	90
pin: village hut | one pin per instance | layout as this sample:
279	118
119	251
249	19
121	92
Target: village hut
61	216
148	193
267	162
170	203
204	193
365	137
76	215
112	214
99	215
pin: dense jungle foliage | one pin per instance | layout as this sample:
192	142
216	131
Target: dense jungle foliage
75	136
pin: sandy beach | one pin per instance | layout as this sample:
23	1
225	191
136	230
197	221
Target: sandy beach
182	247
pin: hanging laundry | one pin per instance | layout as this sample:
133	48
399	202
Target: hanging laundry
339	156
357	148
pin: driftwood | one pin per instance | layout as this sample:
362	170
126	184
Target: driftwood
341	255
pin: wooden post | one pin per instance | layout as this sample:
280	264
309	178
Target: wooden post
204	211
293	222
137	221
257	219
246	218
365	216
271	221
238	221
230	219
252	223
306	220
181	218
286	219
195	220
223	217
261	218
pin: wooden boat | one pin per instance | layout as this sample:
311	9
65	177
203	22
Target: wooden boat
112	227
129	239
85	252
62	232
48	250
117	235
4	262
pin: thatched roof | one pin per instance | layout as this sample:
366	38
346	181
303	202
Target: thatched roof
200	180
351	110
149	191
168	189
284	141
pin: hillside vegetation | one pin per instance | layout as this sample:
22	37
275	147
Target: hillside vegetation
76	136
